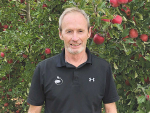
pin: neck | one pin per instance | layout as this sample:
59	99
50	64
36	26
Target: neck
76	59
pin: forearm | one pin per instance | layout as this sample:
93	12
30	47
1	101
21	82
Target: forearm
110	108
35	109
111	111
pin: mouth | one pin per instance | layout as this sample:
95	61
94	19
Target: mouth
75	44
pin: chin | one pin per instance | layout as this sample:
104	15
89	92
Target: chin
75	51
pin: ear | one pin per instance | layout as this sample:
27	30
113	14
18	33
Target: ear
89	32
60	34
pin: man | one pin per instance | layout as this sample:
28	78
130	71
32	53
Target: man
74	81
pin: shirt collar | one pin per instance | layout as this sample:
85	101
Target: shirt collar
61	61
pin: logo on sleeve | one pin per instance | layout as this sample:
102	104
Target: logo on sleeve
91	79
58	81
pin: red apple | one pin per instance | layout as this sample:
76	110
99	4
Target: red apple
6	104
114	3
124	26
33	9
10	90
144	37
17	111
117	20
128	11
44	5
7	75
5	26
42	57
2	54
10	61
134	44
122	1
140	55
127	83
115	76
8	96
22	17
132	58
47	51
133	33
129	0
22	1
24	56
3	97
98	39
146	80
22	80
147	97
3	78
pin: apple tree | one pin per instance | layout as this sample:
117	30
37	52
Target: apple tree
28	35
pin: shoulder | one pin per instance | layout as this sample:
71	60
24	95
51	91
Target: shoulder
49	61
99	61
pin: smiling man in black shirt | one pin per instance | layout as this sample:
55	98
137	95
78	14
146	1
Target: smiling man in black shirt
74	81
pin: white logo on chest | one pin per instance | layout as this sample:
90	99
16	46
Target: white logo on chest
58	81
91	79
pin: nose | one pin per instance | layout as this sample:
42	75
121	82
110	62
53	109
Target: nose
75	36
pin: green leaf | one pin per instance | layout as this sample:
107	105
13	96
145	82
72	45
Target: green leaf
140	111
98	19
118	26
101	5
136	75
106	25
125	32
115	66
141	99
147	57
119	86
129	40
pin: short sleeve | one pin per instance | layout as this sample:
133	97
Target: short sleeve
111	94
36	93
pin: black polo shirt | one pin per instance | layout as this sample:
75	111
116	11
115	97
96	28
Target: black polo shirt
67	89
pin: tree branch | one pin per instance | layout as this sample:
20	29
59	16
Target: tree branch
24	10
28	11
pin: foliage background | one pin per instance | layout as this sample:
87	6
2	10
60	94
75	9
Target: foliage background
30	36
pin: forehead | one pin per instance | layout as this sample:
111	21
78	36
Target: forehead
74	19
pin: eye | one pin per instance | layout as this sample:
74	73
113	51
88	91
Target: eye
80	31
68	31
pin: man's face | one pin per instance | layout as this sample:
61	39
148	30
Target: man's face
74	32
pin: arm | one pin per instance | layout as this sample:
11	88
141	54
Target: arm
34	109
110	108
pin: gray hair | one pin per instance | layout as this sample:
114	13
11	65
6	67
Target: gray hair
73	9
